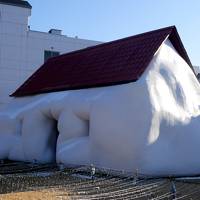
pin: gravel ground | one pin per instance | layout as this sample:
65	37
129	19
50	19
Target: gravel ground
32	181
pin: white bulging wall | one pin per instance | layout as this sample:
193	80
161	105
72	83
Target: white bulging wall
150	126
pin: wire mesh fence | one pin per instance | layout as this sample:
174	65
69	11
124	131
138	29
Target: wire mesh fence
82	182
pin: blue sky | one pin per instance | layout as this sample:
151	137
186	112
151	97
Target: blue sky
106	20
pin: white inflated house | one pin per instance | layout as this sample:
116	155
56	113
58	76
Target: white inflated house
130	104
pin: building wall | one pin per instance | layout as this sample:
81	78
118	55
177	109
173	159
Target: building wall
22	50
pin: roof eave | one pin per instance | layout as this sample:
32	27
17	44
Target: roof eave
22	4
178	45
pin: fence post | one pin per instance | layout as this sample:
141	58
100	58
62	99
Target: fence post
173	190
93	170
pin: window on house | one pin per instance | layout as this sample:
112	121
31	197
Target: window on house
50	54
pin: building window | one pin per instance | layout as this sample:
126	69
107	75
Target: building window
50	54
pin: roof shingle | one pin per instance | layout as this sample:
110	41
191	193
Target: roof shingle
116	62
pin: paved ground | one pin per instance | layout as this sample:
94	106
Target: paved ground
27	181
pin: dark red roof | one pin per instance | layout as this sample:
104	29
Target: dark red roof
116	62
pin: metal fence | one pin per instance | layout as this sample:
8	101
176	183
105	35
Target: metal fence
82	182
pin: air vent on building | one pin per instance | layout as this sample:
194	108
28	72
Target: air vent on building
55	31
